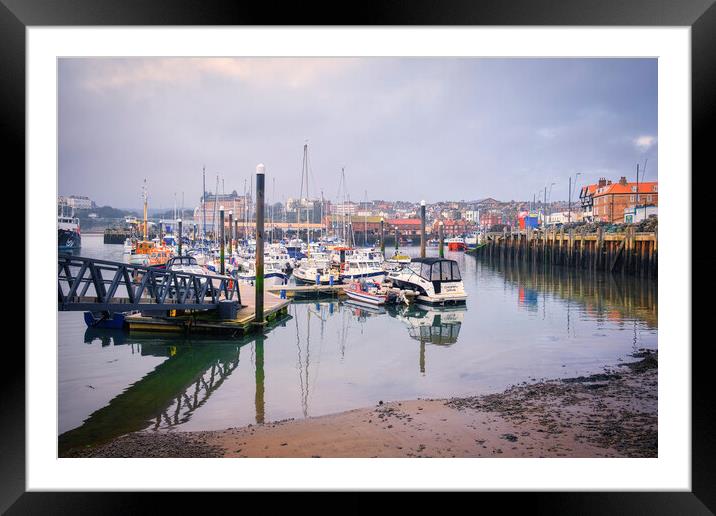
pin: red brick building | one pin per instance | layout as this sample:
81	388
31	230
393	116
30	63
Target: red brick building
406	227
608	200
454	227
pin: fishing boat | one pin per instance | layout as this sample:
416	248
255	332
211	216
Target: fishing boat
68	232
435	280
471	241
149	253
456	244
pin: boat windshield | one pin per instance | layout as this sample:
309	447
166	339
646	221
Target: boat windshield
443	270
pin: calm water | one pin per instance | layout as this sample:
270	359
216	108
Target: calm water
328	356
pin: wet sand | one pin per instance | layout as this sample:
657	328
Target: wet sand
610	414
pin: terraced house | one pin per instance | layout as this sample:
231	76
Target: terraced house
606	201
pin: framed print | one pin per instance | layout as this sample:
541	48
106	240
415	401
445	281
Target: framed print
416	252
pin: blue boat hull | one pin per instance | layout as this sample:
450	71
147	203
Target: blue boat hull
114	321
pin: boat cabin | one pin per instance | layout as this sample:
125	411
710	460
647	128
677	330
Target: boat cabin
181	260
436	270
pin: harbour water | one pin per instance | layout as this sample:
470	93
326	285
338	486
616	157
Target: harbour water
519	325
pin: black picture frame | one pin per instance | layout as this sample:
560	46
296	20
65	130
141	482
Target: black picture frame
700	15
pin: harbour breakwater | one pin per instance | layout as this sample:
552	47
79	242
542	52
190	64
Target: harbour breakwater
627	252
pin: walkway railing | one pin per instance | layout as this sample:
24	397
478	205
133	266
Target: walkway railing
88	284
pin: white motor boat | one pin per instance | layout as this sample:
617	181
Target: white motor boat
273	275
316	270
362	266
437	281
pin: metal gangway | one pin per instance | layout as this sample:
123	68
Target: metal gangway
88	284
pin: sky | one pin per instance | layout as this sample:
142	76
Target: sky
403	128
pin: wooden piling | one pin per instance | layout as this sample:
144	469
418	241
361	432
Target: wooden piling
422	229
179	237
259	283
382	236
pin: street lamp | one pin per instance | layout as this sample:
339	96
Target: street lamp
569	206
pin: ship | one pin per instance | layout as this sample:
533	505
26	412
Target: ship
68	232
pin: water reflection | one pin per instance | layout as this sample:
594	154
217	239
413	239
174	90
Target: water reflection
601	296
168	395
431	325
521	322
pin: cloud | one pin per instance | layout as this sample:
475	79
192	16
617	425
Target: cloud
112	74
548	133
644	143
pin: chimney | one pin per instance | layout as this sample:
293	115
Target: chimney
623	181
602	182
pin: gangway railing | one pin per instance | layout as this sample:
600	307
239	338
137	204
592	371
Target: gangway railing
89	284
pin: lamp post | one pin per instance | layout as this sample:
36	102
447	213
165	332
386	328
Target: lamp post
569	205
442	238
231	232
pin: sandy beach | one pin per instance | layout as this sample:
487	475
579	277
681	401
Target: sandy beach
609	414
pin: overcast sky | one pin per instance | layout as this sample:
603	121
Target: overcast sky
403	128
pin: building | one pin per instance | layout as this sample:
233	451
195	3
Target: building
586	198
233	202
609	200
472	216
76	202
454	227
563	217
406	227
344	208
490	218
635	214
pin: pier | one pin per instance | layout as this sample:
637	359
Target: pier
165	300
627	252
274	309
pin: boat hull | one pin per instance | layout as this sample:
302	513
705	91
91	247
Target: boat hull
456	246
377	276
115	321
365	297
67	240
271	279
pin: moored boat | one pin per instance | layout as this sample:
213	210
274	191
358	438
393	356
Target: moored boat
435	280
68	233
456	244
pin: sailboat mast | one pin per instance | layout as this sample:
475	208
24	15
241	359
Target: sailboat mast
365	219
144	195
213	221
203	202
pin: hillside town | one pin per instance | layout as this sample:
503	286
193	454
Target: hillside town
607	201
